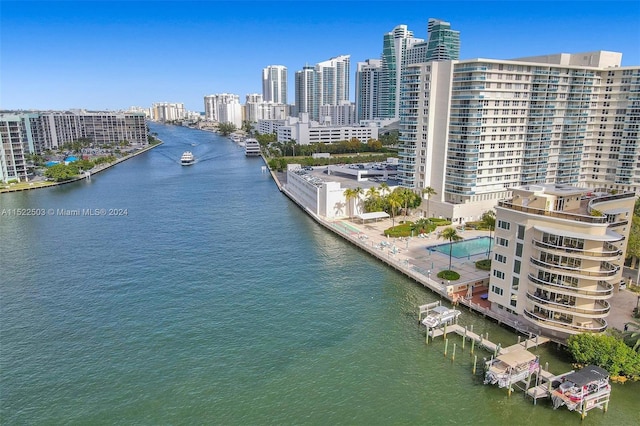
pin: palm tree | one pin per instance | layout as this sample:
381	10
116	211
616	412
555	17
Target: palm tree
451	235
428	191
351	193
373	193
384	188
489	220
420	226
394	201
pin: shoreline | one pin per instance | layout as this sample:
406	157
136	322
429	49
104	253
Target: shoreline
470	291
409	268
91	172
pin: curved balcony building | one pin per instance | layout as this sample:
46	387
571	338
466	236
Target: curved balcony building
558	257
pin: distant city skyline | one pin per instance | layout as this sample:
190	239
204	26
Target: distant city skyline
62	55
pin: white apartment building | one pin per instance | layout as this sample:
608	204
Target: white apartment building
343	114
223	108
558	257
367	89
274	84
33	133
167	111
473	129
256	109
327	83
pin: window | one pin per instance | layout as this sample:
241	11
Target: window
520	232
515	282
498	274
500	258
502	242
497	290
516	266
519	249
504	225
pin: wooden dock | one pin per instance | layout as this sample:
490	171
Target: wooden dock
485	342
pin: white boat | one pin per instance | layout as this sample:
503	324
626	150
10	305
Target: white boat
511	367
582	389
439	316
187	158
251	147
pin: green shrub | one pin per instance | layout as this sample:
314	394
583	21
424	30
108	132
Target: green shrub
440	222
484	264
449	275
402	230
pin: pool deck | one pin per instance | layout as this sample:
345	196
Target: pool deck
411	257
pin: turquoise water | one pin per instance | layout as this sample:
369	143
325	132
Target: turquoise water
460	249
215	300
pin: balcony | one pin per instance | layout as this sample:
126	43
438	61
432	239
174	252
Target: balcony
542	212
600	310
606	269
609	251
603	290
594	326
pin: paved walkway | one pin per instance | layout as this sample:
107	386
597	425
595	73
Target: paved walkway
412	257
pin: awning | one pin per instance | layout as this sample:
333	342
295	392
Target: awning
373	215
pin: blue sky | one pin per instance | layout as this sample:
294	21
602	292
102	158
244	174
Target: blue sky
112	55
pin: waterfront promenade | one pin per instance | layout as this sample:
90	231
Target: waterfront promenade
411	257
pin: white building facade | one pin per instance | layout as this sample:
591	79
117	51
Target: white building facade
223	108
274	84
556	262
473	129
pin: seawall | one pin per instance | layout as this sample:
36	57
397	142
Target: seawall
409	270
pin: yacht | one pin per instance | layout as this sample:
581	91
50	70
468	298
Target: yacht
187	158
251	147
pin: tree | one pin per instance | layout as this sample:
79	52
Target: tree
394	201
632	335
489	220
61	172
420	226
373	192
352	193
428	191
451	235
247	126
384	188
633	246
605	351
226	129
374	145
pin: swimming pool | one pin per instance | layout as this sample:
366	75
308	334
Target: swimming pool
466	248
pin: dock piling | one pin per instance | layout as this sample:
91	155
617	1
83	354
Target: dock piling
446	344
475	361
453	355
473	342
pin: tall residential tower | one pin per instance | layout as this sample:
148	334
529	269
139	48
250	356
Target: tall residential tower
473	129
274	84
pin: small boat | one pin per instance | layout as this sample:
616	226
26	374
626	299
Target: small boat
585	386
187	158
439	316
511	367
